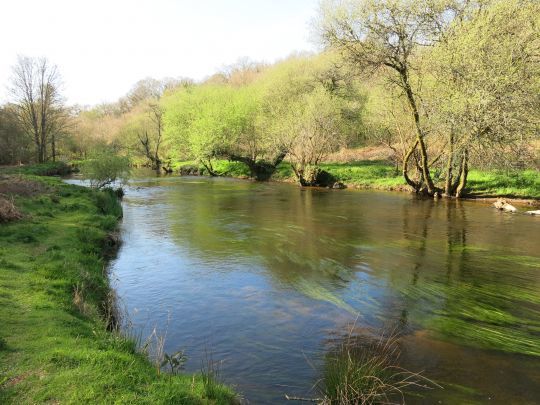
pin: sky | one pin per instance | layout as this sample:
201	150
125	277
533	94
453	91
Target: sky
103	47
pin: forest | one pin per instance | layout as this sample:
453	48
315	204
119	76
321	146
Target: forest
442	87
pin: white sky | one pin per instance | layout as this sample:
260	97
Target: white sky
102	48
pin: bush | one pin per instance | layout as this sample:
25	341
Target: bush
106	168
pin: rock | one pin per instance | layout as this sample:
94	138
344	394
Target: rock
339	185
502	205
537	212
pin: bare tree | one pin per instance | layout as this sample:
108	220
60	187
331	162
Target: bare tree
35	89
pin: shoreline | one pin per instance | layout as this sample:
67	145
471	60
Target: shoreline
56	306
521	201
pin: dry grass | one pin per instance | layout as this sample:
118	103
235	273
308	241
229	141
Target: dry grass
15	185
359	154
8	211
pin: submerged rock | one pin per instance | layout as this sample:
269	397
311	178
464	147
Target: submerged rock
537	212
502	205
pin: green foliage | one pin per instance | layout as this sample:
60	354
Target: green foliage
209	120
105	167
15	144
175	361
484	87
304	106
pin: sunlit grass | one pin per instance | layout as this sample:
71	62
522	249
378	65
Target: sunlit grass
55	346
379	174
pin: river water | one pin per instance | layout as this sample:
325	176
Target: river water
265	278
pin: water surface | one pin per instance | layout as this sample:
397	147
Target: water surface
265	277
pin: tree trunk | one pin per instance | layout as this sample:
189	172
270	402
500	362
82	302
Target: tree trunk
53	147
448	181
259	170
208	166
464	171
419	134
405	168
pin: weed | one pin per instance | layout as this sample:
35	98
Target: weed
175	361
210	373
362	370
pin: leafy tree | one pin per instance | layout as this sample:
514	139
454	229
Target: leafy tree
311	107
384	35
485	88
195	119
105	167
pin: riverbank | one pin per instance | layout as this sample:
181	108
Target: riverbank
522	186
56	305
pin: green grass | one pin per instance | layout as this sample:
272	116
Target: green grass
54	343
524	183
379	174
41	169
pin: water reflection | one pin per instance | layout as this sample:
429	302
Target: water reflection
263	274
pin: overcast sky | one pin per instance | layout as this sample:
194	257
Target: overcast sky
102	47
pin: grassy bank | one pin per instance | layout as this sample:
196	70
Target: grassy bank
379	174
54	342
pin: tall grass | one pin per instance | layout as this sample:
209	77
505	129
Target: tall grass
362	370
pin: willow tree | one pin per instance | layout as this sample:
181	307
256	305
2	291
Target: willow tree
385	36
311	106
484	90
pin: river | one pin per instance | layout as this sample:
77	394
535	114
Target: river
265	278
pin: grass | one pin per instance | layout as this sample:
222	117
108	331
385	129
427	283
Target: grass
41	169
55	346
365	370
524	183
381	175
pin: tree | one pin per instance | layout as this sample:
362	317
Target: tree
385	35
484	90
311	106
35	89
105	167
194	122
14	142
211	121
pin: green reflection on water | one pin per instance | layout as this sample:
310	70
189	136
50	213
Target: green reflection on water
436	261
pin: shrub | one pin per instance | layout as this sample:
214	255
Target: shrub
106	168
8	211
